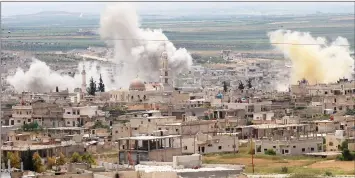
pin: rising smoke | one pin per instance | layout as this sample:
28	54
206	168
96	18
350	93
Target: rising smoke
138	49
322	63
40	78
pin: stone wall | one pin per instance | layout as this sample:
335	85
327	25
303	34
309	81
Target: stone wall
189	161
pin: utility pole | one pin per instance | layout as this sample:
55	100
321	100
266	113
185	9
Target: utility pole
251	149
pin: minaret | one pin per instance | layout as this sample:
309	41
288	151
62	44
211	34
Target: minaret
83	83
83	80
165	79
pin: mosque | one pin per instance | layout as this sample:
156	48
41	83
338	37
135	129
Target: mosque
140	91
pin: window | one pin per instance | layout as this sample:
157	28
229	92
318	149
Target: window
177	130
185	147
18	121
159	128
303	149
68	112
219	147
148	120
274	146
330	143
286	151
68	122
312	149
209	145
116	131
136	128
265	149
29	120
294	146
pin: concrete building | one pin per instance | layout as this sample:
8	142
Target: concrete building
148	148
289	147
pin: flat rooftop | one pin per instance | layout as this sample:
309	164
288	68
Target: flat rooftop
271	126
149	137
66	128
34	147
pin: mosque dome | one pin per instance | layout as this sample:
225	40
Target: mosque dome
137	84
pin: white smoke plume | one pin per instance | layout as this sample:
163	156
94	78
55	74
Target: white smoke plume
139	55
323	63
137	49
40	78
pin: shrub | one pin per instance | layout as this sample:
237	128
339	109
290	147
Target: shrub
328	173
61	160
270	152
284	170
76	158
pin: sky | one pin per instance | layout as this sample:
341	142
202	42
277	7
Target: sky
17	8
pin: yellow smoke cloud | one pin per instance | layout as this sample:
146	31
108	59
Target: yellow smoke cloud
322	63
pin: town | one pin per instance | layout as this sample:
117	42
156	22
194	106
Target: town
148	109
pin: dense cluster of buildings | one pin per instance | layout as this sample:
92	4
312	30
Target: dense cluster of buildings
161	122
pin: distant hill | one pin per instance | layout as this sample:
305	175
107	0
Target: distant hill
51	18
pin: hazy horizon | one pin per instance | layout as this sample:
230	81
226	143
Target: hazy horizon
188	8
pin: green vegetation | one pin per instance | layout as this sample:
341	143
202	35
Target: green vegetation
284	170
76	158
33	126
92	87
15	160
101	87
270	152
51	162
241	86
346	155
37	163
86	158
328	173
279	164
98	124
61	160
54	33
350	112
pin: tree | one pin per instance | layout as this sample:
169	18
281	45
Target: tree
225	86
51	162
87	158
241	86
344	145
56	89
37	163
76	158
346	155
101	87
249	85
27	160
31	126
15	160
92	87
61	160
